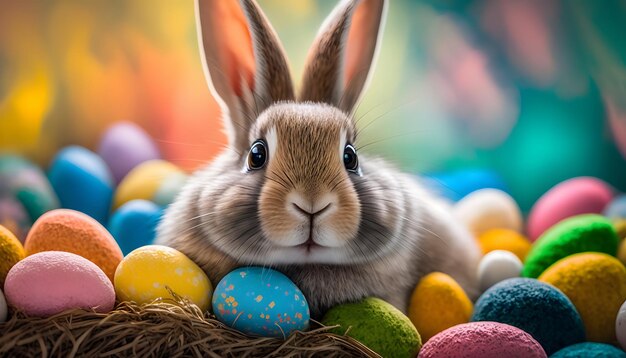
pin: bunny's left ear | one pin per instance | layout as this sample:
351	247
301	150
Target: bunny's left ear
339	62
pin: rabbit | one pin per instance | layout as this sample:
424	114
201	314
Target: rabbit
291	192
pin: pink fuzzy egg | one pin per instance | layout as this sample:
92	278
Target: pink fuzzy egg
482	340
50	282
582	195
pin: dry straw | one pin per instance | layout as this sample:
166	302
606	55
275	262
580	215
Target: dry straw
164	328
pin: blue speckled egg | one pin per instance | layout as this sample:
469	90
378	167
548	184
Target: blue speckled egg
82	181
261	302
134	224
535	307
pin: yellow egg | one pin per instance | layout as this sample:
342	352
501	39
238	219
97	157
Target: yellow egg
596	285
505	239
438	303
144	274
144	181
11	251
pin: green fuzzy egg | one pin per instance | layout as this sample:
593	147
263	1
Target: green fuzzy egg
378	325
580	233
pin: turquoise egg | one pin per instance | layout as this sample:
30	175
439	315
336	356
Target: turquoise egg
25	194
261	302
82	181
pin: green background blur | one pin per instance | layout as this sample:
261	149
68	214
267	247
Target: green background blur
533	90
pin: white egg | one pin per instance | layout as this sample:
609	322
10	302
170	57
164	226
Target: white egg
3	308
487	209
620	326
496	266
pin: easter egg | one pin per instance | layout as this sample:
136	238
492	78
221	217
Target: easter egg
146	274
51	282
457	184
4	310
13	216
487	209
504	239
437	303
616	209
573	235
534	307
28	183
72	231
378	325
621	251
82	181
583	195
11	251
596	285
261	302
134	224
144	181
620	326
589	349
124	146
497	266
482	340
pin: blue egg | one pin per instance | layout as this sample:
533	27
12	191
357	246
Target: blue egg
134	224
535	307
82	182
616	208
261	302
455	185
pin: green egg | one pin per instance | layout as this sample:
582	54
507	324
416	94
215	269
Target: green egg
378	325
582	233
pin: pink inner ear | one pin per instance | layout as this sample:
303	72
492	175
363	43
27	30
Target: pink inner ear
361	42
235	41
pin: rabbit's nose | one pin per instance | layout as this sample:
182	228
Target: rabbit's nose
311	208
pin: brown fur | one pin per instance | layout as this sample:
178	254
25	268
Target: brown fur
376	232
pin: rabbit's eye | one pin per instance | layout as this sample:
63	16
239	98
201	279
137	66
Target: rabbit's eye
257	156
350	159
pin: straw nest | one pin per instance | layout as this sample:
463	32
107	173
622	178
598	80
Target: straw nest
164	328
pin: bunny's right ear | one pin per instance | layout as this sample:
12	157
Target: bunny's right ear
340	61
244	63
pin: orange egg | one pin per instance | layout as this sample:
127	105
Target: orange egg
75	232
504	239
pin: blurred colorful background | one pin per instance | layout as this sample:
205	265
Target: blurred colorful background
528	92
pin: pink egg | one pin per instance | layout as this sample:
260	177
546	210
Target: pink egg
482	340
50	282
582	195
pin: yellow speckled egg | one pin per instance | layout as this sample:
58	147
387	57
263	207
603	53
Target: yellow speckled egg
11	251
143	275
505	239
144	181
438	303
596	285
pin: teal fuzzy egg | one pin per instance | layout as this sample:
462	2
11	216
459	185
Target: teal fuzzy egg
261	302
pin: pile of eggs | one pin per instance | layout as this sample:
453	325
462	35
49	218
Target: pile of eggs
81	237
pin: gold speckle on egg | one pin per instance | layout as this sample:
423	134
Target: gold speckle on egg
179	271
234	310
235	304
156	285
223	295
258	298
272	304
296	297
230	287
249	315
195	281
262	315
